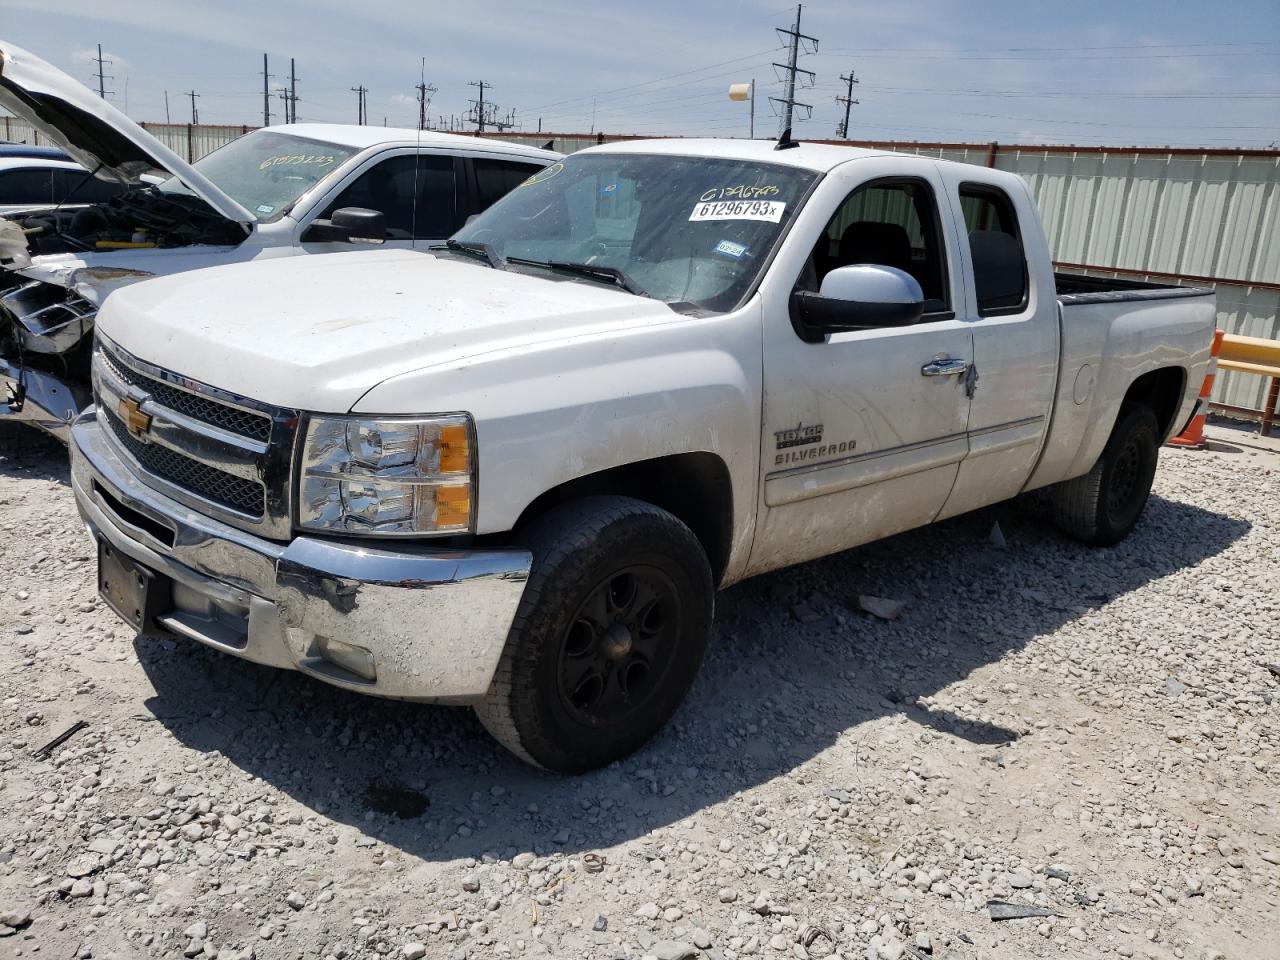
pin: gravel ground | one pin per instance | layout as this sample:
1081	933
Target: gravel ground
1091	734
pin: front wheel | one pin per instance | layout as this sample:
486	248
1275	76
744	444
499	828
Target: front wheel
608	636
1103	506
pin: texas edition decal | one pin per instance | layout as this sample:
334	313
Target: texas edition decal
803	444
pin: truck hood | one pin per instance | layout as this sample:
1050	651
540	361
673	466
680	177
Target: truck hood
94	133
318	332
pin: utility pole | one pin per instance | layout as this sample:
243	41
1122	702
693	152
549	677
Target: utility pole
478	116
195	115
425	90
796	43
266	94
283	94
102	77
842	129
360	91
292	115
166	107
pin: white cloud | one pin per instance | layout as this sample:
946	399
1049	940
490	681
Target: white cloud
403	100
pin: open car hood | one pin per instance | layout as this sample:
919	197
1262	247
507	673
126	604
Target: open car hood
97	135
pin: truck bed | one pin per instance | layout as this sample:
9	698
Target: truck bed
1076	288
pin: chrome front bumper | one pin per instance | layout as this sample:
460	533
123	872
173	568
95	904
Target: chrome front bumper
433	621
40	399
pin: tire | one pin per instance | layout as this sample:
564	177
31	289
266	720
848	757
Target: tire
607	637
1103	506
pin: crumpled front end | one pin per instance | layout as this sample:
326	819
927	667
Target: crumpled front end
46	338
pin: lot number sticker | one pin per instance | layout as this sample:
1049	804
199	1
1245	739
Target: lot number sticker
770	210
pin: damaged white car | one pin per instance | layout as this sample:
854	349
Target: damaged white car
278	191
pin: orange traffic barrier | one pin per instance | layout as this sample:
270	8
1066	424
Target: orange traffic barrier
1193	436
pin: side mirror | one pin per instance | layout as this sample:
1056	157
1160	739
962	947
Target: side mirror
862	297
349	225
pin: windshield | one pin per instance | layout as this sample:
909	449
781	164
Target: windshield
266	171
692	230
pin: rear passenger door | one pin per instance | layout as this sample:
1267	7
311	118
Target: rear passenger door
1015	339
494	177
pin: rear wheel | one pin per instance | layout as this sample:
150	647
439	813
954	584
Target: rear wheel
1103	506
608	637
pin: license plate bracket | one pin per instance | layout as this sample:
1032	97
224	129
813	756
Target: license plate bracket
136	594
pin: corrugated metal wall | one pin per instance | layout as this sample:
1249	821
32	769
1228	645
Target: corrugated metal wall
1208	216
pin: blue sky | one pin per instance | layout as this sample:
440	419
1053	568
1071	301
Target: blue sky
1118	72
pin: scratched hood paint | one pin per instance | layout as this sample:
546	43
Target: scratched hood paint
318	332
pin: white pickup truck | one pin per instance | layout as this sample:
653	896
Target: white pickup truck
512	473
298	189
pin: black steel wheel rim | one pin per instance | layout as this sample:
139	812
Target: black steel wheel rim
1124	477
618	645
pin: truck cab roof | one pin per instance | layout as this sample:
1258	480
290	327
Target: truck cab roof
363	137
819	157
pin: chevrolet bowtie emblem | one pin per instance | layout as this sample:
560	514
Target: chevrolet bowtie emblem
137	421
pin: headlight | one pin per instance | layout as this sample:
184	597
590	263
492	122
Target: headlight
388	477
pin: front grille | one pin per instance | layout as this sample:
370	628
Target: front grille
235	493
254	426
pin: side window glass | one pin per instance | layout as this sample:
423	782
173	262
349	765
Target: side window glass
893	224
496	178
392	187
26	186
995	246
74	186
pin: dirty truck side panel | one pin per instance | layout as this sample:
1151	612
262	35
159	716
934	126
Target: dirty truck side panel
1015	352
1106	347
878	443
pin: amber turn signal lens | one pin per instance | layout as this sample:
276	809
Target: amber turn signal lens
455	449
453	507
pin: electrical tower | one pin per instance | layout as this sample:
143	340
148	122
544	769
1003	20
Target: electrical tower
363	109
425	90
482	111
266	93
195	114
798	43
102	77
842	129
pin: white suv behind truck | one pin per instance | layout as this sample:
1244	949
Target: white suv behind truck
282	191
513	474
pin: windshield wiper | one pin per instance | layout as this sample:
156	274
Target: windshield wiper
599	272
478	249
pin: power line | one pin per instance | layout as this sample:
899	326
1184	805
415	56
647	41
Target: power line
842	129
644	83
791	71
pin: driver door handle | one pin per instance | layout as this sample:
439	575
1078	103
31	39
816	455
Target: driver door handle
944	368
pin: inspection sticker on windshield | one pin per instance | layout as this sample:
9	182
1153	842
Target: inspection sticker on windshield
770	210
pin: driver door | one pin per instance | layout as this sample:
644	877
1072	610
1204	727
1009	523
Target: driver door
863	432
